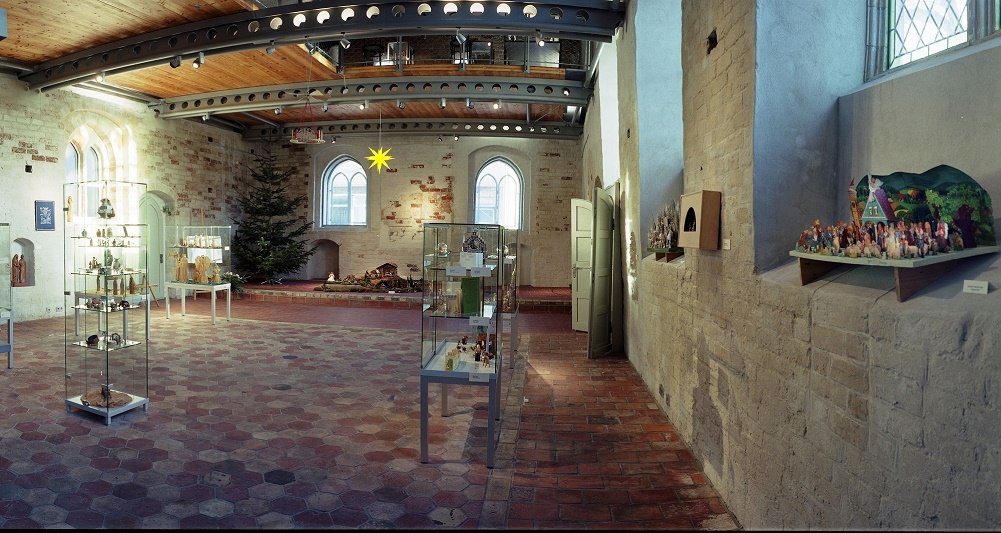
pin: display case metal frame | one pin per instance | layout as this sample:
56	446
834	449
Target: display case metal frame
460	299
215	244
104	368
6	298
506	257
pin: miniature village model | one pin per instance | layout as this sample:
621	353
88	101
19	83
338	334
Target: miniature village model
382	279
906	221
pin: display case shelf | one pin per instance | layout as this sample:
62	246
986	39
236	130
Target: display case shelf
106	348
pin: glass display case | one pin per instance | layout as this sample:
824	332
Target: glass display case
459	341
506	259
106	348
197	257
6	307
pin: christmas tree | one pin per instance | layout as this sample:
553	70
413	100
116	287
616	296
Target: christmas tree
269	238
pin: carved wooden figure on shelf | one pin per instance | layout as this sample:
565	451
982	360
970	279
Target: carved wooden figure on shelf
181	269
18	271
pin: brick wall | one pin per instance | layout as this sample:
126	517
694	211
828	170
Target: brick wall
430	181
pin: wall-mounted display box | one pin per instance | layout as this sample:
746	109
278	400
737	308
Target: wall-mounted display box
459	334
196	258
107	304
699	217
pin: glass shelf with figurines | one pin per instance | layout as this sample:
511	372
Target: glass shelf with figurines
107	303
200	256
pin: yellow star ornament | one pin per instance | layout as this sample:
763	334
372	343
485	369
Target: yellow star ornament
379	159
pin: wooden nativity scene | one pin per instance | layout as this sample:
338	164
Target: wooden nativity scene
914	223
384	278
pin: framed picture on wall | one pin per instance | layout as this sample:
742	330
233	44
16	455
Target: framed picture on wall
45	215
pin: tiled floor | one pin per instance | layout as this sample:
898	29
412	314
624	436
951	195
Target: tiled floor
302	416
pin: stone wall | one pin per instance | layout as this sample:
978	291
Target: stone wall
830	405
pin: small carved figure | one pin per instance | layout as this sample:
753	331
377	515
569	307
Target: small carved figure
202	263
181	270
105	210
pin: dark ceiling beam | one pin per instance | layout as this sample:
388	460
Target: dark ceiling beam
340	92
462	128
587	20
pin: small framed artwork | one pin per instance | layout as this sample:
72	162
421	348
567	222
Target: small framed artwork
45	215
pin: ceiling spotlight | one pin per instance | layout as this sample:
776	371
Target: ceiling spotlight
497	104
99	78
363	105
401	104
538	37
271	48
197	63
455	137
440	139
278	111
469	103
460	37
345	43
205	117
333	141
175	62
323	107
442	104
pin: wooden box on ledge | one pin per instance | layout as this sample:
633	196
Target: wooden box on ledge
699	217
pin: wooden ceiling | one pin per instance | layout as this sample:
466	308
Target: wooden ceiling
261	59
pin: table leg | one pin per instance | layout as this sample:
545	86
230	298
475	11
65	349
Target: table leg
212	297
492	414
444	399
424	420
167	300
184	295
229	303
10	341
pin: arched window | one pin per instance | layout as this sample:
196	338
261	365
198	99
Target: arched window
83	165
498	195
344	194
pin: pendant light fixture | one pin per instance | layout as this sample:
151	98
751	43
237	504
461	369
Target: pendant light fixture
308	134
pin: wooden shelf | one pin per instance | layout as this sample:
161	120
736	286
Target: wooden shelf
910	275
666	254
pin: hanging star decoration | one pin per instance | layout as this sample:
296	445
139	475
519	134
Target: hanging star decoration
379	158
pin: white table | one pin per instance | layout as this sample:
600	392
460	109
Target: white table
201	287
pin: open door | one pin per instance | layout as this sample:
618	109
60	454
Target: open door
580	262
152	216
599	340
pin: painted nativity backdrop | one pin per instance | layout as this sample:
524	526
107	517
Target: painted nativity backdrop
904	215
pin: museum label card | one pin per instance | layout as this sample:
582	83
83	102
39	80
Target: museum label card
480	272
479	377
479	321
975	286
455	271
